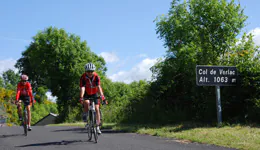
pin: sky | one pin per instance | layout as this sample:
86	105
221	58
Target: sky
121	31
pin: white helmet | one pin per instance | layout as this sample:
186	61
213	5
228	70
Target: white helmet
90	67
24	77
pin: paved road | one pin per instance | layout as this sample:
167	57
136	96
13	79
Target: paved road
52	138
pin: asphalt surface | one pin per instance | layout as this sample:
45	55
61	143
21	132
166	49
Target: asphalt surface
52	138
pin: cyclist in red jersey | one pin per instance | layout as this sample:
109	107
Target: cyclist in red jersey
24	94
89	88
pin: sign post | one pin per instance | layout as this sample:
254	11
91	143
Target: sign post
218	102
216	76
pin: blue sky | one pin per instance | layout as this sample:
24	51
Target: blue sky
122	31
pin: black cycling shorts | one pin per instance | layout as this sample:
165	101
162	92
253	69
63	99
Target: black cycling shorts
25	99
86	97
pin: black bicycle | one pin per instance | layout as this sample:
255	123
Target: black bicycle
25	119
92	126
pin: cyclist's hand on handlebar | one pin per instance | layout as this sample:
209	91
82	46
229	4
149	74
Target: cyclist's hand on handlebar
81	100
102	97
17	102
104	102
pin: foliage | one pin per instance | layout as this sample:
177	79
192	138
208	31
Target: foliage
56	59
10	79
195	32
200	32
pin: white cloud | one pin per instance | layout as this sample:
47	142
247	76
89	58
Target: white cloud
109	57
7	64
142	56
50	97
256	33
139	72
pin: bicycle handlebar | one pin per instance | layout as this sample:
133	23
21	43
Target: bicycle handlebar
104	102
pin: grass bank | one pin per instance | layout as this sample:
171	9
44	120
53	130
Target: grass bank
245	137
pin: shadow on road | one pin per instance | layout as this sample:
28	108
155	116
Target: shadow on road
70	129
10	135
54	143
113	131
83	130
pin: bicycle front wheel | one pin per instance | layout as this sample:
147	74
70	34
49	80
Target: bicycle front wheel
95	127
90	125
25	122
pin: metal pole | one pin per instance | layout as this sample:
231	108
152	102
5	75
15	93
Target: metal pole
218	103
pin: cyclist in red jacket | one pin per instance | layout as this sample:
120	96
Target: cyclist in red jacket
89	88
24	94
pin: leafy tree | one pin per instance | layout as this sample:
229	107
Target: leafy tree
242	103
1	82
196	32
56	59
11	79
41	94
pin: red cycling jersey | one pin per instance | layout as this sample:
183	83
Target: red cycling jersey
90	84
24	90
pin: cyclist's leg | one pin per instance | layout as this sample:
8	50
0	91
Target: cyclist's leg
19	110
85	107
86	103
97	114
28	108
97	111
100	113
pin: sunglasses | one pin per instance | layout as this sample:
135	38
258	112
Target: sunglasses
89	71
23	80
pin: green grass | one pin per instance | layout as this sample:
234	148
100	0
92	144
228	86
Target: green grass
235	136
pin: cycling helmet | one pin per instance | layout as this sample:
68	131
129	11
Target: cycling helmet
90	67
24	77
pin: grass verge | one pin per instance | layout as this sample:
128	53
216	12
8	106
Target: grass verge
234	136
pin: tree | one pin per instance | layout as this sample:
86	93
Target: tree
195	32
209	28
56	59
1	82
244	99
10	79
41	94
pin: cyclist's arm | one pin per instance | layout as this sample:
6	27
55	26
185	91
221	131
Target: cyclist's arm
100	91
82	86
102	97
30	92
82	91
18	91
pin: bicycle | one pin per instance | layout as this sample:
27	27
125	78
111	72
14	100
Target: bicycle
25	119
92	125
